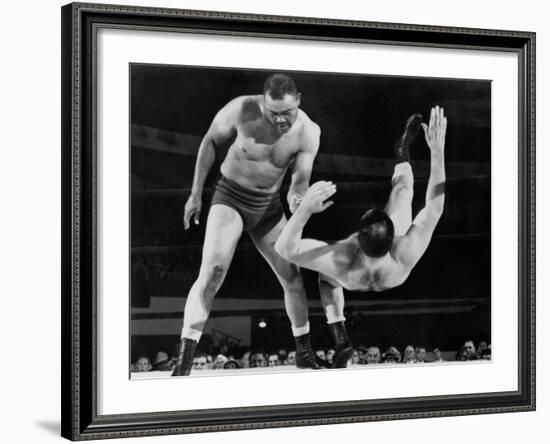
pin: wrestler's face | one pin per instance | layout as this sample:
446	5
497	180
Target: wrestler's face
281	113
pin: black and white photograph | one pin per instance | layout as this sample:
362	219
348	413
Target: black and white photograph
275	222
293	221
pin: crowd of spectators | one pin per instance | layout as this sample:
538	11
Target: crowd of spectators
362	355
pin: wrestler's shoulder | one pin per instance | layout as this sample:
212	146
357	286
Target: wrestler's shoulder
308	126
310	132
346	246
245	107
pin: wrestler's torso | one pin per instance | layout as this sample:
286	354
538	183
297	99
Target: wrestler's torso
352	273
259	155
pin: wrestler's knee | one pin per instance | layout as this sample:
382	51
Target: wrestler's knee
403	176
402	183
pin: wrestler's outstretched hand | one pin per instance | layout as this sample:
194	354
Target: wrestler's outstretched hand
315	199
435	132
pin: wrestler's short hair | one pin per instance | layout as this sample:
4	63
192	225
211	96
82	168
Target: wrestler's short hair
376	233
278	85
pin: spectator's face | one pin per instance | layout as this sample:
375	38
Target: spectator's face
482	346
393	350
291	358
409	353
273	361
373	355
330	355
321	354
199	363
143	365
390	359
420	354
355	357
219	363
257	360
362	355
282	354
469	349
437	354
230	365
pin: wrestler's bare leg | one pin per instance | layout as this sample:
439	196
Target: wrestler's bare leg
224	227
295	296
399	206
332	298
223	230
288	275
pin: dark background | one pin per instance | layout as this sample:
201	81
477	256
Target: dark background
447	296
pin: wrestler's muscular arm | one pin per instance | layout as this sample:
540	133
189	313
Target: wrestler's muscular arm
221	129
303	164
309	253
411	248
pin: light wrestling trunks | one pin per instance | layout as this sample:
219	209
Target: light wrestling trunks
260	211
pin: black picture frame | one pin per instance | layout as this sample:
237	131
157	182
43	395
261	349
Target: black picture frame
80	420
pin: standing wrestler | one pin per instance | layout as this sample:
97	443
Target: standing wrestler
389	243
270	133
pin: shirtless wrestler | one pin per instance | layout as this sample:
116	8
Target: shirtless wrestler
270	134
388	243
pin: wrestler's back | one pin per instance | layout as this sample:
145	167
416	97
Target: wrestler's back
355	274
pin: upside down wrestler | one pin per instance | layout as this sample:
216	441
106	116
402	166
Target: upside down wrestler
388	243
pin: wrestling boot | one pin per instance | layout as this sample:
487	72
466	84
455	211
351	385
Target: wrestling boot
305	356
403	144
344	348
185	357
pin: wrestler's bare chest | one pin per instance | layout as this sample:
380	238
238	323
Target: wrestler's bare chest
256	142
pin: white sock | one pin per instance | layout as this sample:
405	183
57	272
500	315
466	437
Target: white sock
300	331
191	333
333	319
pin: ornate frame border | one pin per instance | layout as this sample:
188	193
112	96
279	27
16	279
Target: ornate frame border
80	22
